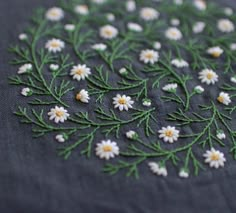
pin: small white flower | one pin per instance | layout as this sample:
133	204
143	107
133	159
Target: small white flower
198	27
169	134
26	91
55	14
208	76
134	27
215	158
58	114
147	102
149	14
132	135
170	87
60	138
180	63
178	2
110	17
225	25
233	46
80	72
54	67
157	169
157	45
99	47
220	134
173	33
82	9
25	68
107	149
149	56
55	45
99	1
228	11
69	27
224	98
130	6
175	22
198	89
183	173
122	102
23	36
233	79
82	96
123	71
108	32
200	4
215	51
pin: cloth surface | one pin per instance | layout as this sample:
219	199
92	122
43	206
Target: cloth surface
34	179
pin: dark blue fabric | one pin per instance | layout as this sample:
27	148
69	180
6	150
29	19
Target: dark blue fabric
34	180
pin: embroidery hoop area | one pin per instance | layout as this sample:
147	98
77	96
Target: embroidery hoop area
102	81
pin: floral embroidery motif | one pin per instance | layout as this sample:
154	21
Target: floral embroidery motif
159	55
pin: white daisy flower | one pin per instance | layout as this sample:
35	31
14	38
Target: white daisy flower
157	45
82	9
134	27
175	22
110	17
220	134
233	46
132	135
183	173
123	71
122	102
55	14
23	37
108	32
178	2
149	56
60	138
228	11
25	68
200	4
54	67
198	89
208	76
130	6
173	33
157	169
215	51
225	25
170	87
26	91
147	102
149	14
180	63
58	114
69	27
55	45
107	149
169	134
224	98
198	27
215	158
99	47
80	72
99	1
233	79
82	96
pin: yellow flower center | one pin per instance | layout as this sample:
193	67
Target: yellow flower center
79	71
215	54
220	99
215	157
173	33
78	97
107	148
122	101
59	113
149	55
54	13
108	32
209	76
55	44
169	133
